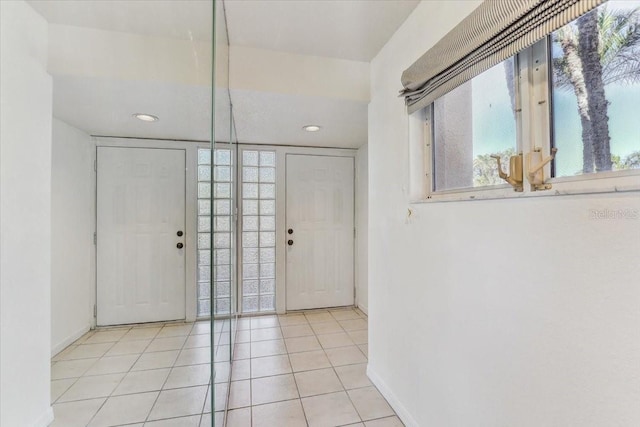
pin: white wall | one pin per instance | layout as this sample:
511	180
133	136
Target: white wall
25	221
72	226
362	227
494	313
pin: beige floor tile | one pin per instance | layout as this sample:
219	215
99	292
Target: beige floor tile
179	403
292	320
221	396
341	339
113	365
240	394
239	418
128	347
355	425
142	381
222	371
311	383
75	414
353	376
331	327
161	359
369	403
265	334
269	366
243	336
242	351
194	356
164	344
354	325
281	414
359	337
64	353
71	368
205	420
297	331
128	409
106	336
309	360
345	356
318	316
241	370
92	387
136	334
187	376
88	351
273	389
175	330
348	314
198	341
328	410
191	421
267	348
259	322
244	324
385	422
364	348
58	387
300	344
200	328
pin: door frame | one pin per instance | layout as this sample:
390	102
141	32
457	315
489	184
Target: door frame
191	171
281	210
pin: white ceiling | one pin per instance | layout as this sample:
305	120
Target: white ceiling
100	97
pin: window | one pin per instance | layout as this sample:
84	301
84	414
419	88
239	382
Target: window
258	231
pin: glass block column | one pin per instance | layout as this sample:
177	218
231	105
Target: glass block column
258	231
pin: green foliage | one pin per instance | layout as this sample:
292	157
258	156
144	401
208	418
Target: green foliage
632	161
485	168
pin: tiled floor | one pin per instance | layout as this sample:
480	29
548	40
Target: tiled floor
305	369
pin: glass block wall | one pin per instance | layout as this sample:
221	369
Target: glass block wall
258	231
222	244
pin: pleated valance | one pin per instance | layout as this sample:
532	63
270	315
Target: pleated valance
495	31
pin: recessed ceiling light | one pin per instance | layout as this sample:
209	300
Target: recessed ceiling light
311	128
146	117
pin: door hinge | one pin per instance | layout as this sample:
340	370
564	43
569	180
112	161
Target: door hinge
95	310
95	238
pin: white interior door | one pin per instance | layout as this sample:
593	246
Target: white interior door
320	204
140	210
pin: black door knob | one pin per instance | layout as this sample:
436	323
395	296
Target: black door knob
179	246
290	231
180	233
290	242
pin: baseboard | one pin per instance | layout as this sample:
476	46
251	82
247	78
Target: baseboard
69	340
45	419
364	309
397	406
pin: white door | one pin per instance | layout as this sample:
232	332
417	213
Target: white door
140	210
320	247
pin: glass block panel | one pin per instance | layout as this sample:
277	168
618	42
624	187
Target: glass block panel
250	191
250	304
250	207
267	286
250	240
249	287
267	207
249	174
204	307
222	273
267	271
267	158
267	254
222	256
204	257
267	223
204	223
222	173
204	289
267	175
204	173
249	158
267	238
250	255
267	303
223	305
222	223
204	273
222	157
267	191
204	190
250	223
250	271
222	191
204	207
222	207
221	240
204	156
204	241
222	289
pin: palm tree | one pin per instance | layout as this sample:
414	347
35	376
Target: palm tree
601	47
